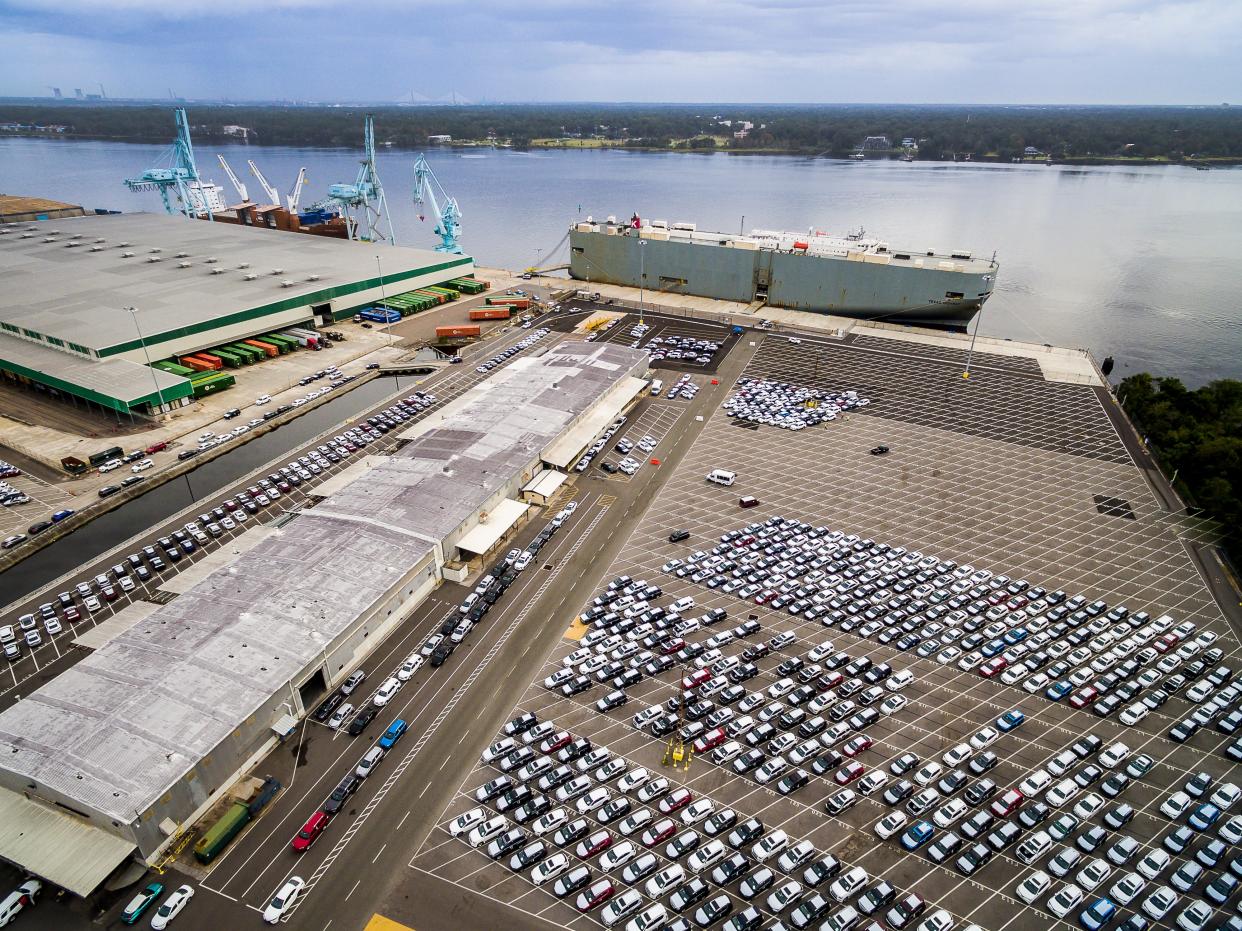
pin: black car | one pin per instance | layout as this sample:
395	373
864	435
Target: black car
324	711
38	527
678	535
879	450
442	652
340	795
365	717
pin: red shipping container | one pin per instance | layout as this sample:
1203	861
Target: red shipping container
450	332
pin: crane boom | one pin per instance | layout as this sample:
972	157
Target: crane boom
272	196
295	195
241	188
448	217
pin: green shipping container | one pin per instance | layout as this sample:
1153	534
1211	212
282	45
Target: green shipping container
173	368
218	836
283	343
230	359
247	352
218	382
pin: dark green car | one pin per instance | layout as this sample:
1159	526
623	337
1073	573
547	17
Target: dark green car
140	903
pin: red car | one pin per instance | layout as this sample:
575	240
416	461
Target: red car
310	831
671	646
661	831
1084	696
597	843
849	772
857	745
678	798
1007	803
765	596
695	679
72	613
997	597
830	680
710	740
555	742
993	667
1166	643
596	895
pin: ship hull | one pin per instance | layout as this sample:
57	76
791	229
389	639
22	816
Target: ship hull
868	287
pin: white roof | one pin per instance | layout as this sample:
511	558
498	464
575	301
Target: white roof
564	449
546	483
483	537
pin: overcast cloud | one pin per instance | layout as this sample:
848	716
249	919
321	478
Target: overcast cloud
835	51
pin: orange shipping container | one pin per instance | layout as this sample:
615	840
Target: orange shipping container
491	313
450	332
268	349
199	365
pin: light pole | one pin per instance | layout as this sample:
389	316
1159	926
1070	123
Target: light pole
642	276
159	394
387	323
971	351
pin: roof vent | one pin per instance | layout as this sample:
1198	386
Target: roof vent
49	239
127	255
183	255
153	258
184	264
96	248
251	276
155	250
122	245
278	271
312	277
101	239
217	271
27	235
76	236
55	232
211	260
286	283
244	265
71	244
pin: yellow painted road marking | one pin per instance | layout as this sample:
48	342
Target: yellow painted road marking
380	923
576	630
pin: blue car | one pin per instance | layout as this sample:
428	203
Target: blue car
1097	915
393	734
1203	817
1010	720
1058	690
917	834
61	515
1017	635
992	647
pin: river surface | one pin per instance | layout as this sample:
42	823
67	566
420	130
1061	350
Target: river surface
1141	263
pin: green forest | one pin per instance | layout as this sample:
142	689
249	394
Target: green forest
1196	435
940	132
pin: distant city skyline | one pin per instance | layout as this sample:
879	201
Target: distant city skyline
686	51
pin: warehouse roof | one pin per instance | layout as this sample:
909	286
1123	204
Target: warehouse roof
96	379
118	728
69	278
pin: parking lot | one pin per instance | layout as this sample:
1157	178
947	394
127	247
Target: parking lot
1003	473
45	499
665	334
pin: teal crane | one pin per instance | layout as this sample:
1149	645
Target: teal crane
176	172
448	218
363	202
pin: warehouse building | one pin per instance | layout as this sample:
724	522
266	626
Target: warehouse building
90	301
114	757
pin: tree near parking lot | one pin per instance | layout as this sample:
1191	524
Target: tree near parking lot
1196	435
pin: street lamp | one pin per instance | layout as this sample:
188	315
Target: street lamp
159	394
642	277
387	322
971	351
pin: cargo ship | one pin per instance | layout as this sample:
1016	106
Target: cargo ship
853	275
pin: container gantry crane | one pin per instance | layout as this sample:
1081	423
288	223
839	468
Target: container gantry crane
362	203
448	218
177	172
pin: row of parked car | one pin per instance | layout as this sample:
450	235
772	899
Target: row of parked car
598	446
1111	660
621	842
506	354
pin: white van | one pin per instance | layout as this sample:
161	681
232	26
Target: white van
721	476
656	387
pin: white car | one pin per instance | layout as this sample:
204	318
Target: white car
467	821
283	899
262	399
386	692
1034	886
549	869
410	666
340	716
1175	806
142	466
171	907
1065	900
523	561
891	824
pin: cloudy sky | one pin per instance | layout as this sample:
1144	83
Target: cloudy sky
908	51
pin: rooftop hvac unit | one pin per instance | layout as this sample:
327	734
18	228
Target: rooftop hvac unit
153	258
244	265
49	239
96	248
122	245
184	264
217	271
278	271
127	255
183	255
155	250
55	232
251	276
76	236
71	244
286	283
211	260
101	239
27	235
312	277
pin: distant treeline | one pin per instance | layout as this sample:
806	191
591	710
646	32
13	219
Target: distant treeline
941	132
1197	436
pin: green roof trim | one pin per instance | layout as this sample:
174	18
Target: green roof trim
315	297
